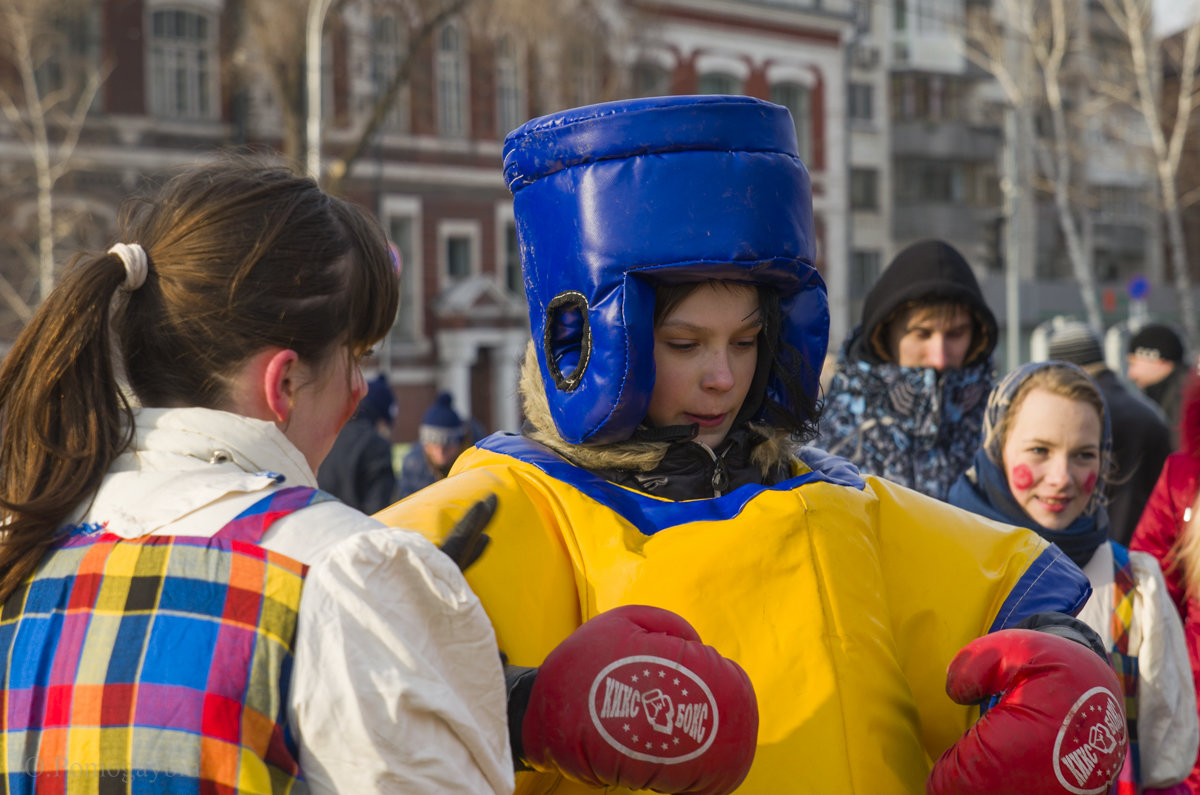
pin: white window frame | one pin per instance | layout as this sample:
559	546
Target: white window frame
512	104
71	50
723	64
199	64
860	102
412	277
803	121
739	84
452	80
382	65
586	64
505	219
457	228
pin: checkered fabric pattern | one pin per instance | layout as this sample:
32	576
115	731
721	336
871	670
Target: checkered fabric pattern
158	664
1126	667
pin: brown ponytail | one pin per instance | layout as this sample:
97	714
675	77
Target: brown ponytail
242	256
62	417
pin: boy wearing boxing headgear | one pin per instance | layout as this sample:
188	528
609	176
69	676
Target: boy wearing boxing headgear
678	326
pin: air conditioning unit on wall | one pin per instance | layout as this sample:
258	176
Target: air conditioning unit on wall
865	57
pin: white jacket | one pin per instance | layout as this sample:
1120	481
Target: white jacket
397	684
1168	734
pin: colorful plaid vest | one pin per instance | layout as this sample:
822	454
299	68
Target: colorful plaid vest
156	664
1129	782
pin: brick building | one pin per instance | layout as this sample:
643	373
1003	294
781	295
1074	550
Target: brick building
181	82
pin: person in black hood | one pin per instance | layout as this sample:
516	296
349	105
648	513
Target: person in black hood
907	397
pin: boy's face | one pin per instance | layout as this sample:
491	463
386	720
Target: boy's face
936	337
1147	370
705	354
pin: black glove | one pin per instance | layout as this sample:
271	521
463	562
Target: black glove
1068	627
467	540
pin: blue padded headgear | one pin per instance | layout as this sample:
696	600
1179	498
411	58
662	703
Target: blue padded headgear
612	199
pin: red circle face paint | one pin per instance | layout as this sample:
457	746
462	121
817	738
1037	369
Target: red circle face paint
1021	476
1089	485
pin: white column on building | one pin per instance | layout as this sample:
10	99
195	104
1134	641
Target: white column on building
457	351
508	377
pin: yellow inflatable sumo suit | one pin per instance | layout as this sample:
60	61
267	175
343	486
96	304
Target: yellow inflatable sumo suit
844	598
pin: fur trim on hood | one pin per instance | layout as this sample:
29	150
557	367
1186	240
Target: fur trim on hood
639	456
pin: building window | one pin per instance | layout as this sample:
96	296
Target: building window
458	257
452	88
513	278
402	224
389	43
864	189
864	270
183	65
862	102
920	180
584	67
719	83
71	52
459	250
510	87
650	80
797	98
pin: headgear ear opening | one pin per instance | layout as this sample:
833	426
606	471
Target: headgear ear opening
568	339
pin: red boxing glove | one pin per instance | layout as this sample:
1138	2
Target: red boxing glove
1058	727
633	699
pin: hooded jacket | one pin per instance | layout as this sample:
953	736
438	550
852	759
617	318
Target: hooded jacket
911	425
827	588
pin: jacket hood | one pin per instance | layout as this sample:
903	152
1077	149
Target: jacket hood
930	269
637	455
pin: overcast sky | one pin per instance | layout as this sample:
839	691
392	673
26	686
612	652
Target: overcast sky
1173	15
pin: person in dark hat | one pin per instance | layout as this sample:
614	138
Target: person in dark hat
1141	440
440	439
358	470
908	393
1155	364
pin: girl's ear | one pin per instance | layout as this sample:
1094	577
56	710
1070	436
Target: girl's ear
279	382
263	388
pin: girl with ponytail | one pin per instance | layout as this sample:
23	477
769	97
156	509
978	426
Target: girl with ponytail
161	421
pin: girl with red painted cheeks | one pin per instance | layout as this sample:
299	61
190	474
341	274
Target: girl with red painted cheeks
1046	450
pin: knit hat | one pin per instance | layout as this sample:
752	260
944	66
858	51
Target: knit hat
1075	342
1157	341
441	424
930	270
379	403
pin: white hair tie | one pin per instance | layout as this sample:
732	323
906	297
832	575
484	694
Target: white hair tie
136	264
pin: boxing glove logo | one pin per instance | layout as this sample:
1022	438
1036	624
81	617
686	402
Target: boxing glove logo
1090	746
653	709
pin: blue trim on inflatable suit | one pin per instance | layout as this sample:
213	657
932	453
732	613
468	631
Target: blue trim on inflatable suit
1051	583
651	514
